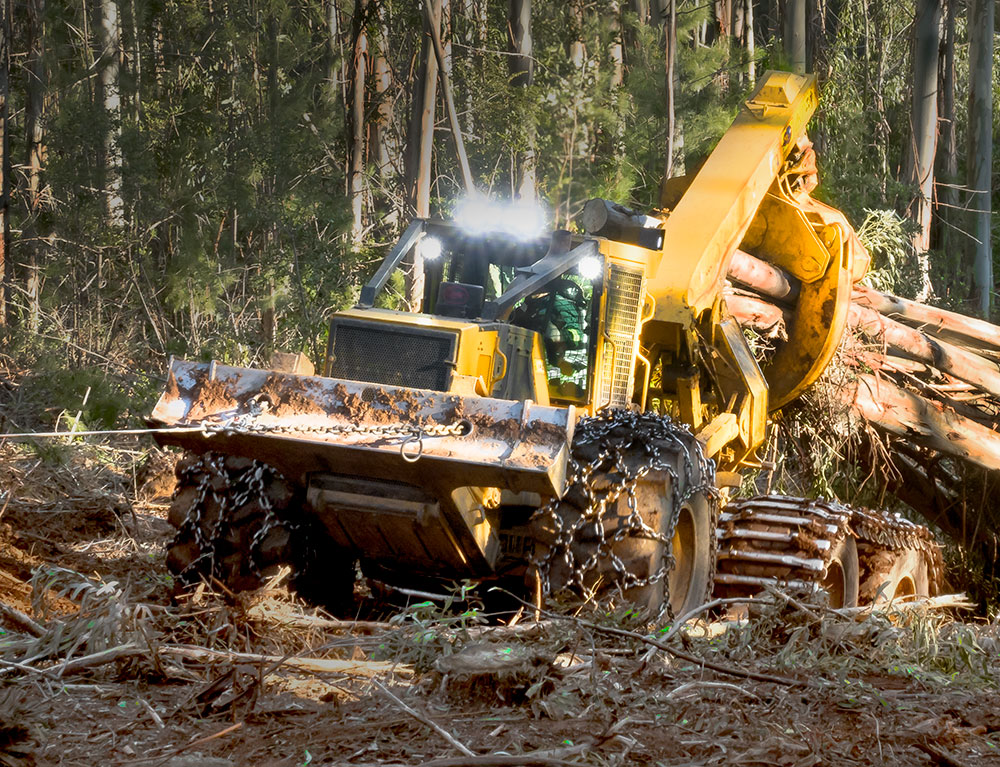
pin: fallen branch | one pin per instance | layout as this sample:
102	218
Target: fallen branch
461	747
941	755
305	621
79	664
21	621
314	665
940	602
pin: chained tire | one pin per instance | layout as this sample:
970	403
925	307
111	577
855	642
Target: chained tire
239	520
638	519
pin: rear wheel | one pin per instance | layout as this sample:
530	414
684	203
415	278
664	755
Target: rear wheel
908	577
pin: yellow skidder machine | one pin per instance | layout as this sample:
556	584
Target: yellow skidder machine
564	412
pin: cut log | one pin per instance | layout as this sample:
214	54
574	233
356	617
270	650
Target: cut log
923	422
763	277
979	332
758	315
917	345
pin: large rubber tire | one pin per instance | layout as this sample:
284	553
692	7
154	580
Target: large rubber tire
692	540
842	581
689	580
222	538
215	537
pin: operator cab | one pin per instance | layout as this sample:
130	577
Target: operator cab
532	285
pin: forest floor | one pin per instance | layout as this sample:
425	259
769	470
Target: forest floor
101	664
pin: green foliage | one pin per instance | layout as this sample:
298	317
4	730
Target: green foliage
234	136
887	237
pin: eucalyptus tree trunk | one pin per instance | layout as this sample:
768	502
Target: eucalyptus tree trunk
616	51
34	151
5	163
919	169
521	69
334	50
110	68
35	104
384	143
671	53
794	34
947	155
420	145
980	148
751	46
723	12
359	67
737	39
577	48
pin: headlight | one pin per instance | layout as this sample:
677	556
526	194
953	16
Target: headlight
519	219
430	248
590	268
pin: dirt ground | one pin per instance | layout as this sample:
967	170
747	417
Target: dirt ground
100	665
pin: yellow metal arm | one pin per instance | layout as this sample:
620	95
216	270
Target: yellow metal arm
710	220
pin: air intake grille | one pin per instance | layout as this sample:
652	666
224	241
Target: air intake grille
384	354
622	307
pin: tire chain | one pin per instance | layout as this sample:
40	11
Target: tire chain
618	436
239	486
248	423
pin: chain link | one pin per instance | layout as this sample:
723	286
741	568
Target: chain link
613	453
411	435
237	487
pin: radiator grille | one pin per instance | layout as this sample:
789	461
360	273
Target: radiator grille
621	321
394	356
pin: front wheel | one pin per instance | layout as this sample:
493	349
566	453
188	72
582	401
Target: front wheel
638	520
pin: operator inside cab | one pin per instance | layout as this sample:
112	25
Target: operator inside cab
560	313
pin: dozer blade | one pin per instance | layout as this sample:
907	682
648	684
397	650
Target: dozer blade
307	424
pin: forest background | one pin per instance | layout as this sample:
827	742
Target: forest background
213	178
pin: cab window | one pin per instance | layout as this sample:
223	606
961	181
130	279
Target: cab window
564	314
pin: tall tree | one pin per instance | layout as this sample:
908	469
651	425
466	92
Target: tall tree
981	19
334	53
919	167
947	155
110	71
794	34
35	102
671	55
521	68
384	145
616	49
420	145
34	151
359	67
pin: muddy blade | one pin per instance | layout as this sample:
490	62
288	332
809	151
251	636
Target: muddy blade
315	424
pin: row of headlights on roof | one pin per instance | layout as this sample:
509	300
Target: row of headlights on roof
523	220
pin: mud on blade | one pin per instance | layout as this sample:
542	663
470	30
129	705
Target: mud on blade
307	424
